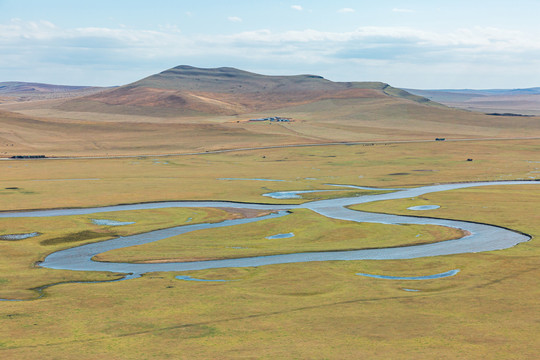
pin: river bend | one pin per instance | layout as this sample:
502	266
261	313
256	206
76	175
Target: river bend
482	237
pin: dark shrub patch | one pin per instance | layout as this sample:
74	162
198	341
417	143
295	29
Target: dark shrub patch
74	237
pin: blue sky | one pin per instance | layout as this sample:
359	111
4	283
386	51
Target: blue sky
417	44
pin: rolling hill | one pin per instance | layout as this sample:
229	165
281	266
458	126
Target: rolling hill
29	135
190	91
187	109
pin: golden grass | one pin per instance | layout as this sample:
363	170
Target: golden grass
85	183
310	310
25	135
106	130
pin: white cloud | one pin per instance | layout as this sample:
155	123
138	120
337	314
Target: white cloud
477	39
297	7
42	45
400	10
346	10
234	19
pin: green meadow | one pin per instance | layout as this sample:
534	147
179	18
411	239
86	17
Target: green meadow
307	310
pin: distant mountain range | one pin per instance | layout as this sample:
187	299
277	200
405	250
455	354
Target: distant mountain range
21	91
473	92
26	87
520	101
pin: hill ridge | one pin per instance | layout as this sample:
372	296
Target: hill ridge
190	91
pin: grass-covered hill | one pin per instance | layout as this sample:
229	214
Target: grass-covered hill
188	91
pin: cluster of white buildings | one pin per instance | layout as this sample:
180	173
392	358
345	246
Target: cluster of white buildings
273	119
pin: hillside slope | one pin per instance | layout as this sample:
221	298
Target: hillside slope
186	109
190	91
26	135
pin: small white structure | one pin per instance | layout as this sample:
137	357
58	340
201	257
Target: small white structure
273	119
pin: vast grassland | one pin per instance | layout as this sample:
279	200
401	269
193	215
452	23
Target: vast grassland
308	310
116	130
85	183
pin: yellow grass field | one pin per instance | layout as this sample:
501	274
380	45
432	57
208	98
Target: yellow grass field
46	128
306	310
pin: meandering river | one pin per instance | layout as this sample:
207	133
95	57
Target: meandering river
482	237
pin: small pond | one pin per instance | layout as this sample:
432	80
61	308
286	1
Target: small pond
14	237
295	194
280	236
189	278
426	277
424	207
111	222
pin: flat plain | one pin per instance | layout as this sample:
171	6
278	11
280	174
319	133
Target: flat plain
309	310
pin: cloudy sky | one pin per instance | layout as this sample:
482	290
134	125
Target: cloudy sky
407	43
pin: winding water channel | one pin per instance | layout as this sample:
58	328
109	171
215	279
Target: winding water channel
482	237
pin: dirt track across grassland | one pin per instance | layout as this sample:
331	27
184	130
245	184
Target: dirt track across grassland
367	143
